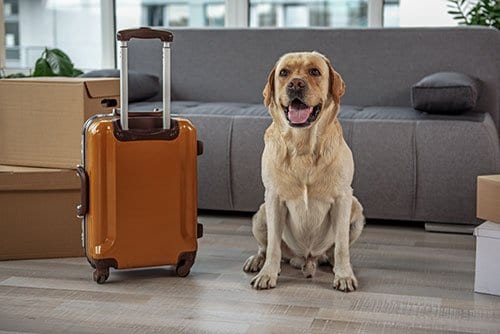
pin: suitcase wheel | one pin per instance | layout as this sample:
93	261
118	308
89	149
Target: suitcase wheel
186	261
101	275
182	271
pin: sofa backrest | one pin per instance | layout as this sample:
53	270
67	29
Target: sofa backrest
379	66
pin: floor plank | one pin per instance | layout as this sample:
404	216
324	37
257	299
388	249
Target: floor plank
411	281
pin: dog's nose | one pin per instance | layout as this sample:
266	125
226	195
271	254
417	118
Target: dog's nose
296	85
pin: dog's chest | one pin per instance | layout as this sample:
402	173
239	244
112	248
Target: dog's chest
302	178
308	226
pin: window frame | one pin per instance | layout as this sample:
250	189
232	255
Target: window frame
237	13
2	38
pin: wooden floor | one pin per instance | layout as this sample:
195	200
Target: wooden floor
411	281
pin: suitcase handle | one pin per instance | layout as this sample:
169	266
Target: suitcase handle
82	208
123	36
144	33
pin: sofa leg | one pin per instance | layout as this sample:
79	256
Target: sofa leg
450	228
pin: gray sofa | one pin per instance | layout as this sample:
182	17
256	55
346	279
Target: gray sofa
409	165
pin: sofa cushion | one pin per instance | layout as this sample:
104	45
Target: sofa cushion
206	108
384	113
142	86
187	108
446	93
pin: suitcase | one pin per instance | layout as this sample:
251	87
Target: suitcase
139	181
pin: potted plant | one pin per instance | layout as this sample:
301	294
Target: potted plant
52	62
480	12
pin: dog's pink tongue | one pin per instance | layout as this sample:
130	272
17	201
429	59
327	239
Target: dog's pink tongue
300	114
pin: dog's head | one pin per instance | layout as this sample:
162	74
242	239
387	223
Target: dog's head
302	89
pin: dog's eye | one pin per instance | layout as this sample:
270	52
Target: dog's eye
283	73
314	72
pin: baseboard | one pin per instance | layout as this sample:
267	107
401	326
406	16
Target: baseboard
450	228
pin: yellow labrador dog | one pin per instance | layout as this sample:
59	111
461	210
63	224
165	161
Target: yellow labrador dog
310	213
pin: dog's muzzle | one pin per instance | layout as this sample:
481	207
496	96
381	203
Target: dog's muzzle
300	114
296	89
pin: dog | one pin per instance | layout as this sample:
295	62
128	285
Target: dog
309	213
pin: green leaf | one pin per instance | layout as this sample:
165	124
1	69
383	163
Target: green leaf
42	69
17	75
61	54
77	72
486	5
60	65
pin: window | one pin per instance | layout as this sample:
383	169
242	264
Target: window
215	14
74	26
84	29
413	13
11	17
391	13
307	13
177	13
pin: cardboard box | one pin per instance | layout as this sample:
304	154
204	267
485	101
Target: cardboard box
488	198
41	119
487	260
38	213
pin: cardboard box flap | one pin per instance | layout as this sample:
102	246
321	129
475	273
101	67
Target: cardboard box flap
13	178
96	87
103	87
488	229
63	80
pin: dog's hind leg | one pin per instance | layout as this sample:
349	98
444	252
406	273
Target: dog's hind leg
259	229
357	221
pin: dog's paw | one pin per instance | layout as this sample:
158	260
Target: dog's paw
297	262
345	284
254	263
264	280
309	268
345	280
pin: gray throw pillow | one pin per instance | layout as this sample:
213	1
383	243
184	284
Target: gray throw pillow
445	93
141	86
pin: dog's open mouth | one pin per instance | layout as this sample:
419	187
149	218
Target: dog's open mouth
300	114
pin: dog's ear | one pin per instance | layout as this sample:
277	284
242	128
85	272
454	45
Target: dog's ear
268	92
337	85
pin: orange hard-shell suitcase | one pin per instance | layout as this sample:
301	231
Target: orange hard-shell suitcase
139	181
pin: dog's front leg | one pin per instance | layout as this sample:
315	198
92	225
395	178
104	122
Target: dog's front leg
344	279
275	215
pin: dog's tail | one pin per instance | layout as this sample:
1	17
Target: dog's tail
357	221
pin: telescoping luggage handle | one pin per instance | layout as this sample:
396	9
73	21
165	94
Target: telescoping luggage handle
124	36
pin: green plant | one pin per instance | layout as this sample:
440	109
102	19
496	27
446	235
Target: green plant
54	62
480	12
14	75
